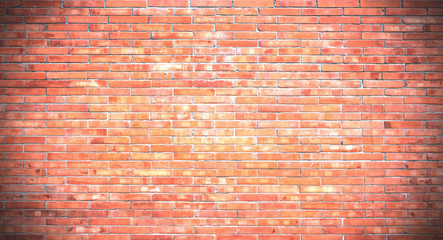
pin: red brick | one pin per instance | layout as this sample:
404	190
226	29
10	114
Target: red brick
338	3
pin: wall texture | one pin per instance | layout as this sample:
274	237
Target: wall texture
220	119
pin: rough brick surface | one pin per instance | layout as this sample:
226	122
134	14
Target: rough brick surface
221	119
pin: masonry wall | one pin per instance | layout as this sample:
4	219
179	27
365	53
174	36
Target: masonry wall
221	119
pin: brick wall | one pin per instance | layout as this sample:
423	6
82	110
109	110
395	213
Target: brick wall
221	119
